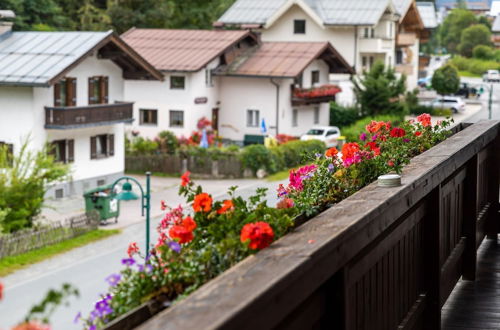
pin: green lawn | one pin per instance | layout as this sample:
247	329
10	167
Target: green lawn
468	74
11	264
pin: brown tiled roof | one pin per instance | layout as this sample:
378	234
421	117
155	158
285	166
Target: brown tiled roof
285	59
181	50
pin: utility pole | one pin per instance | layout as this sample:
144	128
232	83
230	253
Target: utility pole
490	101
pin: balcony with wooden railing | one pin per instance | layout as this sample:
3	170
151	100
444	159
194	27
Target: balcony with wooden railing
314	95
85	116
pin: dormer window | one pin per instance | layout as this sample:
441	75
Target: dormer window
299	26
65	92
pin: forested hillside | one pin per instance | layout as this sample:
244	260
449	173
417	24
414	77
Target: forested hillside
120	15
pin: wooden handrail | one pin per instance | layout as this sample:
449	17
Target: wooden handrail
64	117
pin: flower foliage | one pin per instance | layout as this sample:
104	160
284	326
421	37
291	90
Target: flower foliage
382	149
200	240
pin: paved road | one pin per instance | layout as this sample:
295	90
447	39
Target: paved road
86	268
495	109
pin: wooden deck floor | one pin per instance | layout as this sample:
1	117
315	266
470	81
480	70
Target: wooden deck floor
476	305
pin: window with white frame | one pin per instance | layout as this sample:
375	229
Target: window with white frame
176	118
316	115
314	77
252	118
295	117
148	117
177	82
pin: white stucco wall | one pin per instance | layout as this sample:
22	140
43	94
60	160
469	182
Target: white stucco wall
158	95
239	94
342	38
23	114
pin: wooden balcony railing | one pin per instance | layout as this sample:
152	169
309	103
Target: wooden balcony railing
384	258
92	115
315	95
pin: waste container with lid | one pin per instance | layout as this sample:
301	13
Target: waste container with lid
104	201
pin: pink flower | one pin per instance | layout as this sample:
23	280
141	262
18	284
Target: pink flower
297	177
132	249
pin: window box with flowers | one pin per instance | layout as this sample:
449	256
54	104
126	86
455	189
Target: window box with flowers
200	242
315	95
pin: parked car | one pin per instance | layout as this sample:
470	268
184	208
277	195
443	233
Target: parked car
328	134
491	75
464	90
454	103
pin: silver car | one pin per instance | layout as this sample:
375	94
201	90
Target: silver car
454	103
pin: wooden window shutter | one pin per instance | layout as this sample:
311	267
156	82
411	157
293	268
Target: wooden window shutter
93	147
111	145
57	94
104	90
91	91
71	88
71	150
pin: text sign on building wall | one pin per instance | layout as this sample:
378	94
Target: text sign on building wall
200	100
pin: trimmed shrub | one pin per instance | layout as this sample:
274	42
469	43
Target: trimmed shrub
476	66
257	156
483	52
342	116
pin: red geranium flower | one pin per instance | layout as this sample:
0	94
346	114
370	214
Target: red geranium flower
424	119
189	223
181	234
202	202
349	150
376	126
332	152
397	132
285	203
373	147
163	205
226	206
418	133
1	291
260	235
132	249
185	178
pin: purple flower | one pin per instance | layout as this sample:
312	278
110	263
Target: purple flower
113	279
92	327
374	138
406	140
149	268
331	168
128	261
318	155
93	315
77	317
362	137
174	246
102	307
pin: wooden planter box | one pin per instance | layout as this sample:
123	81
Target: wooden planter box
384	258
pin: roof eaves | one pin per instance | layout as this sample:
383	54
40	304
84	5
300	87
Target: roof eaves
23	84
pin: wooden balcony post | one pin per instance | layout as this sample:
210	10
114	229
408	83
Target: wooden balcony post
492	224
470	220
432	267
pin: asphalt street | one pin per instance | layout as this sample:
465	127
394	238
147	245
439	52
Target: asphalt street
86	268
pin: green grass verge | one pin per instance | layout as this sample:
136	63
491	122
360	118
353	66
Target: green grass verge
10	264
468	74
278	176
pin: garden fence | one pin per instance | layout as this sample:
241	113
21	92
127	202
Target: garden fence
35	238
226	167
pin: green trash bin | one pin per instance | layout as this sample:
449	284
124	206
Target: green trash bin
104	201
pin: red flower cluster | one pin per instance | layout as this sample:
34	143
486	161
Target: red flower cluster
283	138
332	152
376	126
260	234
185	179
424	119
373	147
325	90
202	202
132	249
183	233
397	132
285	203
418	133
349	150
227	205
1	291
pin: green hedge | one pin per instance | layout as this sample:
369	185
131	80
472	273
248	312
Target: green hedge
353	132
343	116
474	65
282	157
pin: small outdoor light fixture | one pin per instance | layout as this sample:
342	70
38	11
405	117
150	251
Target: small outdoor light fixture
389	180
127	194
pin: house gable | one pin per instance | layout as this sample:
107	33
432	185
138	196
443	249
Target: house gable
294	3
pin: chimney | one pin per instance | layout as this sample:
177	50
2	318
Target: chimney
4	25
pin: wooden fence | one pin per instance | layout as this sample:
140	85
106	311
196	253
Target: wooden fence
384	258
227	167
31	239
